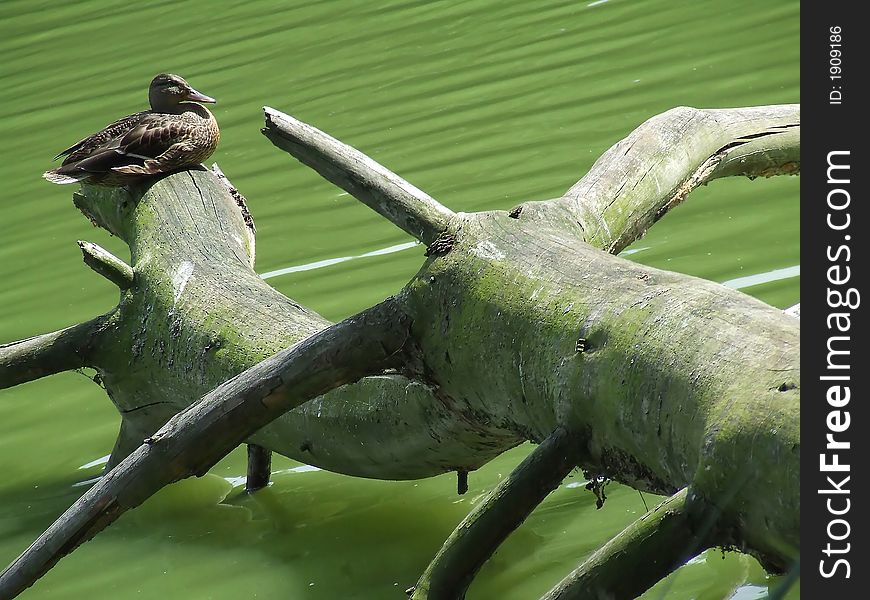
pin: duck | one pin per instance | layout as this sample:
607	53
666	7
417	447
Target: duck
178	132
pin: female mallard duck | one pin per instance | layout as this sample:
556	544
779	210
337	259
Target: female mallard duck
173	135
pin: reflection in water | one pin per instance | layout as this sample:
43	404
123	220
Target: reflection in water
738	283
334	261
758	279
749	592
97	461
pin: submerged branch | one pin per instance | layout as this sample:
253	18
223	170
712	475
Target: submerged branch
259	468
374	185
107	264
49	353
476	539
642	554
196	438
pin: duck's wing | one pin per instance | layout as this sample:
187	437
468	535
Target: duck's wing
128	146
103	138
154	135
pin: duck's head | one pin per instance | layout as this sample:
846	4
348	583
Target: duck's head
168	90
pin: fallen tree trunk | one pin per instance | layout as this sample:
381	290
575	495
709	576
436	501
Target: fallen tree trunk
661	380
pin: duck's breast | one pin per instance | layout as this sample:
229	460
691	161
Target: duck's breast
204	133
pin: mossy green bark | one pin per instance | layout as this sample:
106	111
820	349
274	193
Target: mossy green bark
197	314
517	327
682	381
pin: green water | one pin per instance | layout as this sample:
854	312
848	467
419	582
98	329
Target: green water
481	103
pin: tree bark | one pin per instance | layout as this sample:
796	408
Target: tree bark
638	180
50	353
663	381
107	264
383	191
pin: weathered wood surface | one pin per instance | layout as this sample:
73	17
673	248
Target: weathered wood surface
663	380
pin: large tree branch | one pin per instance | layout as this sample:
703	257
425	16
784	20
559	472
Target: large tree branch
49	353
639	179
476	539
642	554
196	438
377	187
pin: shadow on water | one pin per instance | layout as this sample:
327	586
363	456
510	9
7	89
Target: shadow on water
292	525
312	525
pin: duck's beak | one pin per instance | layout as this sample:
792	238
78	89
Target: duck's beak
198	97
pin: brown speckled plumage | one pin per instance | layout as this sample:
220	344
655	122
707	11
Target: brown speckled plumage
173	135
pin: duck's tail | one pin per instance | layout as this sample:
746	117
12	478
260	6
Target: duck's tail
55	176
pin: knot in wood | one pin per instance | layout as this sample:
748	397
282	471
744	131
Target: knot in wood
441	245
